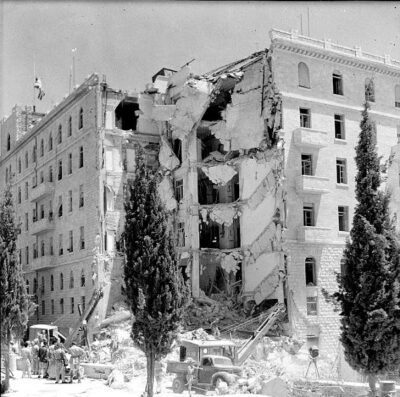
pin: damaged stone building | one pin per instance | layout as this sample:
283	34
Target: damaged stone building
258	162
68	169
257	159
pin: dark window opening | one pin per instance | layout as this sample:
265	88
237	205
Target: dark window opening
210	145
306	164
311	279
209	235
8	142
214	111
308	215
125	115
339	126
305	118
210	193
337	81
177	147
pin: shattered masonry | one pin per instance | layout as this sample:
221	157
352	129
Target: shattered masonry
229	163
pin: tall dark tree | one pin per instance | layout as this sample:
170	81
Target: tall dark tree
369	289
154	286
14	301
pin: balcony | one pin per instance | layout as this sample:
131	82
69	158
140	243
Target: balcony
42	190
43	262
314	234
312	184
42	226
306	137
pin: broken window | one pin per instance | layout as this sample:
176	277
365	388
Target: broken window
311	279
209	144
306	164
210	193
125	114
177	143
304	75
214	111
337	81
305	118
209	235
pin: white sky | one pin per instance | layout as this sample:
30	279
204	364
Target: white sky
129	41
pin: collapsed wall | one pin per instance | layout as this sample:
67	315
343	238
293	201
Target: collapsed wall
222	161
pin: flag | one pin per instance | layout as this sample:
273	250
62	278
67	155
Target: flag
38	85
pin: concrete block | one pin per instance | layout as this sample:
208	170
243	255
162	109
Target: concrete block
97	371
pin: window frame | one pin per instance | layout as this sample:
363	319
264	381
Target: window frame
343	218
341	171
307	164
308	208
305	117
303	75
337	83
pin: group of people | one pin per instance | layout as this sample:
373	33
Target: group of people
51	361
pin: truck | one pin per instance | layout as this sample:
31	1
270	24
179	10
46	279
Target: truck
210	370
217	360
50	331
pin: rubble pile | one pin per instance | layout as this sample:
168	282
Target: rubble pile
215	311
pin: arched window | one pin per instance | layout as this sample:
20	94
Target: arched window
70	126
51	283
311	274
8	142
80	118
27	286
71	279
304	75
59	134
369	90
61	281
83	279
35	285
50	141
42	148
397	96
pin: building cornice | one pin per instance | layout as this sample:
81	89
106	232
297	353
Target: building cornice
328	51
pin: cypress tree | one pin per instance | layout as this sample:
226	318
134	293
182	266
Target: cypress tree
14	301
154	287
369	289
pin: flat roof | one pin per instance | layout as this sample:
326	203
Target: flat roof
43	326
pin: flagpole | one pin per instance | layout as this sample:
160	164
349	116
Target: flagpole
73	68
33	86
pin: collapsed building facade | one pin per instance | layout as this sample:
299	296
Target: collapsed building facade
258	176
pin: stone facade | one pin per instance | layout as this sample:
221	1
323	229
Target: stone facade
68	174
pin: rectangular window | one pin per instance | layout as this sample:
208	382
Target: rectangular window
306	164
19	195
26	222
312	305
60	245
35	251
43	308
339	126
82	238
62	306
83	303
52	306
343	215
41	211
181	235
50	174
27	255
71	241
70	200
179	190
34	217
72	305
69	163
26	190
60	170
308	215
41	176
337	81
51	246
81	157
341	171
305	118
81	197
60	207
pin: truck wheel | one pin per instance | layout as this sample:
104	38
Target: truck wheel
218	380
178	385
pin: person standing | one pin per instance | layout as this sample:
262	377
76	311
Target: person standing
26	360
60	360
43	359
35	357
51	368
158	372
189	377
77	354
